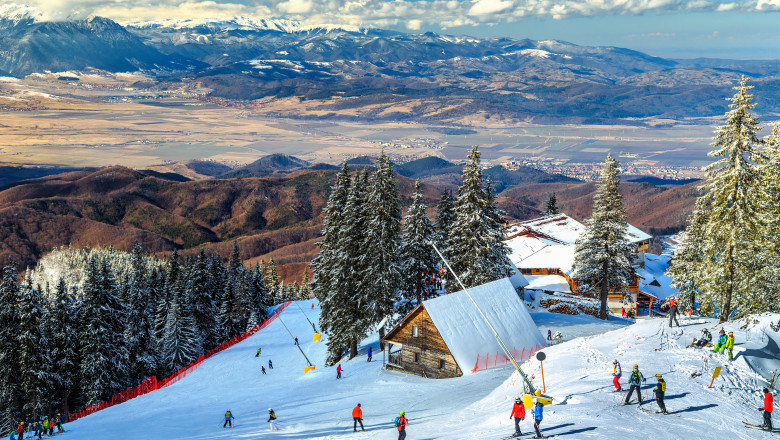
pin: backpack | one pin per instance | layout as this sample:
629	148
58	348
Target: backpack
635	377
397	421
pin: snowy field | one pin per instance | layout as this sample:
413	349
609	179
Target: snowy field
475	406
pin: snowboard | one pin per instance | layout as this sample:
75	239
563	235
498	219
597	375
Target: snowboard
658	412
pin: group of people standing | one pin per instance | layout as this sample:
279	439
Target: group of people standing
518	413
39	428
635	382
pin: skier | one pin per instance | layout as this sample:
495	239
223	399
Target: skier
549	334
357	417
618	373
60	421
258	352
659	391
270	365
272	420
296	341
262	368
538	409
767	408
721	345
228	419
369	354
730	345
634	383
46	425
673	312
338	372
51	426
706	338
20	430
400	424
518	412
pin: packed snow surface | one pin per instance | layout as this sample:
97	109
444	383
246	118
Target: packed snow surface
475	406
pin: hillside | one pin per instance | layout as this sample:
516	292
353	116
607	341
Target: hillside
474	406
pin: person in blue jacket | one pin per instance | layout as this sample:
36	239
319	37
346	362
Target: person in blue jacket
369	354
538	410
228	419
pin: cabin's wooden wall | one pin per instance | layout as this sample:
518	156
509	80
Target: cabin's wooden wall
428	344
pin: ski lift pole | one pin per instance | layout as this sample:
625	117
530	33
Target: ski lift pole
305	316
297	345
495	333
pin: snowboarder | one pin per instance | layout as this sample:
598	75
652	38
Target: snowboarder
357	417
538	409
270	365
518	413
296	341
272	420
659	391
617	372
549	334
767	408
730	345
721	345
369	354
338	372
673	312
258	352
400	424
228	419
706	338
635	384
262	368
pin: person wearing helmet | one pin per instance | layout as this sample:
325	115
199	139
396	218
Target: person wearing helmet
518	412
272	420
706	338
538	410
721	345
659	391
59	420
635	384
617	372
228	419
767	409
400	424
357	417
730	345
20	430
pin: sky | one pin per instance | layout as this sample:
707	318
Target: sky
743	29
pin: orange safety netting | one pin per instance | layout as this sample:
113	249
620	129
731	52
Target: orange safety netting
151	383
490	360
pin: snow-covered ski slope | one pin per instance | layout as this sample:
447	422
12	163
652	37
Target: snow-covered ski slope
477	406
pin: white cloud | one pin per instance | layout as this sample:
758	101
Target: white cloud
295	6
488	7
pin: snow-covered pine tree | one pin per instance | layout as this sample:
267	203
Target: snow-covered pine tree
180	344
201	300
602	255
472	249
34	361
445	218
499	265
686	264
231	311
272	282
103	354
418	259
380	278
11	395
172	273
731	247
63	345
139	325
304	291
769	299
551	207
257	295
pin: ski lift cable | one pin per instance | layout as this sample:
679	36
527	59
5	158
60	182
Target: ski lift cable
297	345
305	316
495	333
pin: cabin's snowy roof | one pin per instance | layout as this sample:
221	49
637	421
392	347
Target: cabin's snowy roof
517	279
654	279
466	333
530	252
548	283
565	229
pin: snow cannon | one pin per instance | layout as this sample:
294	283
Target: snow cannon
543	399
307	369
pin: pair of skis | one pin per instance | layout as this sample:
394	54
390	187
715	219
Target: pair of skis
758	427
527	435
658	412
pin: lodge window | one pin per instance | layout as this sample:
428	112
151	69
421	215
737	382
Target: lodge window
441	364
417	357
414	331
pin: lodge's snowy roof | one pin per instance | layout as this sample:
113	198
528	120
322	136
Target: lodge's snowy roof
654	279
548	283
517	279
531	252
466	333
565	229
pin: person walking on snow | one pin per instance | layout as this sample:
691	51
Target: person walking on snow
518	413
538	410
549	334
258	352
338	372
767	408
400	424
228	419
272	420
270	365
369	354
659	391
673	313
635	384
617	372
357	417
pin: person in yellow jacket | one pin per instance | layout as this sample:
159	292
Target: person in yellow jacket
730	345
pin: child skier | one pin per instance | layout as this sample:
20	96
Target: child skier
721	345
538	410
228	419
617	372
59	421
400	424
272	420
357	417
659	391
634	384
730	345
767	408
518	412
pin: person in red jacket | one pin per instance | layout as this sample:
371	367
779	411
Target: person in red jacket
357	417
767	408
518	412
20	430
338	372
401	423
